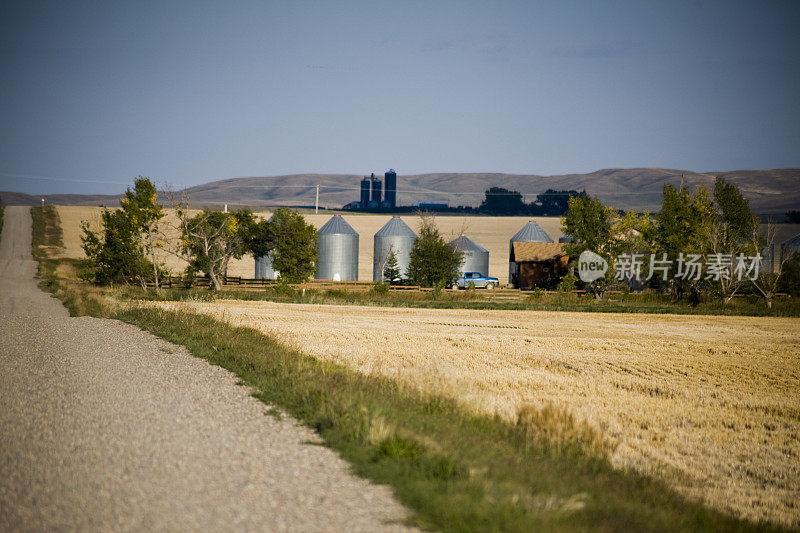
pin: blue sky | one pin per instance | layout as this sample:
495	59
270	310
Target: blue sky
95	93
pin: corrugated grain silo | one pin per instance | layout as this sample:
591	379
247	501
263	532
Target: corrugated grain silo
530	232
264	268
565	239
337	250
476	257
394	236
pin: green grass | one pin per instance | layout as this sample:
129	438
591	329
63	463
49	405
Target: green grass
81	299
454	469
616	303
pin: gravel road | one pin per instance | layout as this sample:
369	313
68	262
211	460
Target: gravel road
105	427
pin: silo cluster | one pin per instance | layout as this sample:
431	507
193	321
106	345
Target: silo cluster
530	232
476	257
337	251
395	236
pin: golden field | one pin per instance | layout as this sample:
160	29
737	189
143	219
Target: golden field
491	233
710	404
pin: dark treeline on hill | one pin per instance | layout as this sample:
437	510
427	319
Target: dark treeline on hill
500	201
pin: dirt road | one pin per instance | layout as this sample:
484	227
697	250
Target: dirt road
103	426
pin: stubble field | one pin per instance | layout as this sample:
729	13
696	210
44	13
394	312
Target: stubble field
709	404
491	233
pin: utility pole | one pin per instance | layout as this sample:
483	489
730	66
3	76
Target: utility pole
316	203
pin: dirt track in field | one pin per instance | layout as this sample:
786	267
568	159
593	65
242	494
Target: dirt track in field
105	427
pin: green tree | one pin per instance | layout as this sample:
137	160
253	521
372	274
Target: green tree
293	243
733	211
125	246
433	262
553	202
734	233
142	206
211	239
591	226
500	201
684	227
391	271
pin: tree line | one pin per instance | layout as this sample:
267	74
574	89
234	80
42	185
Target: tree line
692	225
551	203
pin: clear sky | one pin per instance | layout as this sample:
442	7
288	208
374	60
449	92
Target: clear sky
95	93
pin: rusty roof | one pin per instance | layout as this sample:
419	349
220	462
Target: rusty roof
537	251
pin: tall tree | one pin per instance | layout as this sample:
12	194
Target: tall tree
599	229
433	262
553	203
500	201
732	237
211	239
684	227
125	247
141	205
293	243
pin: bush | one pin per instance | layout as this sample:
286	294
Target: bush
568	283
380	288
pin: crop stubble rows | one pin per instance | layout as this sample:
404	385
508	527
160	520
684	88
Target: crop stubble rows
708	403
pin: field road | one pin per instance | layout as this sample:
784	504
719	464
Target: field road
105	427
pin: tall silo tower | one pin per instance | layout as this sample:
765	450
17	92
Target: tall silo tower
397	237
337	251
366	184
390	184
476	257
530	232
376	192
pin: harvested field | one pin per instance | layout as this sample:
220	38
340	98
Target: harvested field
709	404
491	233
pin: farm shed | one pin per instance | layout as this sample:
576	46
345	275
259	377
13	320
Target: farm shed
530	232
537	262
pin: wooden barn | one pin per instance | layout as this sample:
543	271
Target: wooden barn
537	263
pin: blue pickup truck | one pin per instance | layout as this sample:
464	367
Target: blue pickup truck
476	278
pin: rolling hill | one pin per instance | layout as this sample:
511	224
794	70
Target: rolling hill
769	191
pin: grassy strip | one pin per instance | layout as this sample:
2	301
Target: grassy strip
620	303
457	470
57	275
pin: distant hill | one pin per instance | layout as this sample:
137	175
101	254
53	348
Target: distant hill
18	198
769	191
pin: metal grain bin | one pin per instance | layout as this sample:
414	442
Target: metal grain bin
565	239
396	236
337	249
530	232
264	268
476	257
